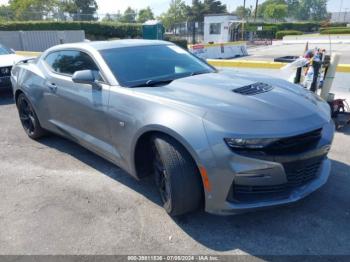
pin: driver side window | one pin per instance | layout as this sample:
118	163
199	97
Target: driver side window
69	61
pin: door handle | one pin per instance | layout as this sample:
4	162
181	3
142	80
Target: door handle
52	87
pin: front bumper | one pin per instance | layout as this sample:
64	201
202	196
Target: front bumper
266	183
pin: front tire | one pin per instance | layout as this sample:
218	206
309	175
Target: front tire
28	118
177	177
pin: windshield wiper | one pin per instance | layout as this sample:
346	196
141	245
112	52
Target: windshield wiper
199	73
150	83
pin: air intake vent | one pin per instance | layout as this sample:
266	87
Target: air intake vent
253	89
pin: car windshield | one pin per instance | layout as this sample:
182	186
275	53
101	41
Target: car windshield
152	64
4	50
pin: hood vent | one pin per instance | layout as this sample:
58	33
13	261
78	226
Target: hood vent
253	89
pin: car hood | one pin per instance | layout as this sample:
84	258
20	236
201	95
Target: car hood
213	94
10	59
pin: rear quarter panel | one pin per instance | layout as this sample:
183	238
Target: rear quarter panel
28	78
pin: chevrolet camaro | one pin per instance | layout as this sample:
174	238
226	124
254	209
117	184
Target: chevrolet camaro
221	140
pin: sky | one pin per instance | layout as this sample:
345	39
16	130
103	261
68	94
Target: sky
159	6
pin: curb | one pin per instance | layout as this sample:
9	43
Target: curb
342	68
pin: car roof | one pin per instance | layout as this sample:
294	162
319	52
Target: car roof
101	45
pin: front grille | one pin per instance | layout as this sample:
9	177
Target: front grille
253	89
295	144
298	174
285	146
5	71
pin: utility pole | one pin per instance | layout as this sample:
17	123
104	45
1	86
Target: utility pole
244	16
256	9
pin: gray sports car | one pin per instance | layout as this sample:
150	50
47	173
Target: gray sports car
225	141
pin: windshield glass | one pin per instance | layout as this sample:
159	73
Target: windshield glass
4	50
140	65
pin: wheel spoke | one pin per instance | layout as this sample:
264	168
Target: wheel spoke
24	118
31	123
27	116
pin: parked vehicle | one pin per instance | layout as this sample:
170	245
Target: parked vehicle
230	142
7	59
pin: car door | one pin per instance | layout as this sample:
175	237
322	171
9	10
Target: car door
77	110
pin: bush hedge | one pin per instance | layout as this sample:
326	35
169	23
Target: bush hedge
306	27
93	30
97	29
331	28
281	34
177	41
335	31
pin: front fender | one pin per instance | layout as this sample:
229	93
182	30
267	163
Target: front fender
194	145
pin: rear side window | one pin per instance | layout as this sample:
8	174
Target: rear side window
68	62
51	58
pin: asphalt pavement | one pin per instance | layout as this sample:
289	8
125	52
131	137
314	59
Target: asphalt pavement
269	53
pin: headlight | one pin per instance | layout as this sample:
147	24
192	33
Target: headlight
249	143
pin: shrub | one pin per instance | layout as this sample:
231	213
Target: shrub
298	26
281	34
307	27
331	28
177	41
335	31
96	29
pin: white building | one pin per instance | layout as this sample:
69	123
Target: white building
218	28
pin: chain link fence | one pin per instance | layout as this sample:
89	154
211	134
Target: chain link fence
192	32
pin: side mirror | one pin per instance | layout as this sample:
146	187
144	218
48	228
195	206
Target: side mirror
85	77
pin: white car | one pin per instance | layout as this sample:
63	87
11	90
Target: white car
7	59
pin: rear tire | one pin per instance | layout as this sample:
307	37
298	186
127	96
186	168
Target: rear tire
177	176
28	118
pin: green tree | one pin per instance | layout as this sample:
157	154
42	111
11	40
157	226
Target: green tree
112	17
214	7
195	12
276	11
199	9
176	13
262	7
299	9
80	9
242	12
293	7
144	15
6	13
31	9
129	16
313	10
